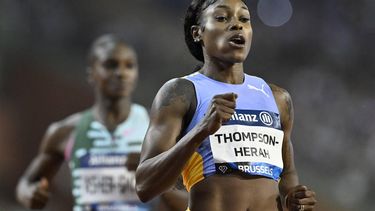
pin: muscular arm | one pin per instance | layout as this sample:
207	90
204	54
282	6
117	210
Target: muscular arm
289	177
32	188
162	159
299	196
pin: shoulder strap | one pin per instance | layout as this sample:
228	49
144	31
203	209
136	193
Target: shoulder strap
80	133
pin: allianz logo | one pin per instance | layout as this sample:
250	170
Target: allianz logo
264	117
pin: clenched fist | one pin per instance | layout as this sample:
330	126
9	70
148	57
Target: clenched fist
36	195
220	110
300	198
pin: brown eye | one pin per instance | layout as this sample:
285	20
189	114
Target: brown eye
130	65
110	64
244	19
221	18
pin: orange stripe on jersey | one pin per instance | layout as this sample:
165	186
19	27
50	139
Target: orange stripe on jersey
193	171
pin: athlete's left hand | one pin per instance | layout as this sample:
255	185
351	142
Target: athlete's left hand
300	198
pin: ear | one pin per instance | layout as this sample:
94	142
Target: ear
196	33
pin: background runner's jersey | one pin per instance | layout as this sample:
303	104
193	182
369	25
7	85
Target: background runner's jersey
97	162
250	142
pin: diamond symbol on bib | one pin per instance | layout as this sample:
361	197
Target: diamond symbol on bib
223	169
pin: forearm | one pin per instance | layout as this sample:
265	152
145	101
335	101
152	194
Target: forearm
158	174
289	176
288	181
33	190
31	175
21	190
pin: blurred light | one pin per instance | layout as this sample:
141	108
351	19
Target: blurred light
274	12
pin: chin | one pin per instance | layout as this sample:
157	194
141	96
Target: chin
236	59
239	60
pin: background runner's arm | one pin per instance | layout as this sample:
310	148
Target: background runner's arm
33	187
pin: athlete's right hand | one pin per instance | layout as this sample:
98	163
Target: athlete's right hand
220	110
37	195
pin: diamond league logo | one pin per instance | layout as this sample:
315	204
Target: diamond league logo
223	169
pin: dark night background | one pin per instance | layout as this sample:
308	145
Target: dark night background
323	55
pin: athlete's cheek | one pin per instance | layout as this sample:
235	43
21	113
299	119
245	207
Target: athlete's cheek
221	42
249	35
210	25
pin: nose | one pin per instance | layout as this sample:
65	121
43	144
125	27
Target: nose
120	72
235	25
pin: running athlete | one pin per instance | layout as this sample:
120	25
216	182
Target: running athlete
101	144
228	133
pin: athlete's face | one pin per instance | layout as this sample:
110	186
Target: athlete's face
225	31
115	70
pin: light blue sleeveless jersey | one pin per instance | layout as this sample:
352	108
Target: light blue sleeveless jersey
250	142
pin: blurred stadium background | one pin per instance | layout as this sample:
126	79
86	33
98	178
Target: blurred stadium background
321	51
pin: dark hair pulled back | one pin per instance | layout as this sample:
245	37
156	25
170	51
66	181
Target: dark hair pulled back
192	17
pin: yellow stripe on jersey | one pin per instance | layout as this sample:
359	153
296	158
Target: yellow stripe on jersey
193	171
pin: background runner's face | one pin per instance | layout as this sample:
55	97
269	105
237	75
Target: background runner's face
226	30
115	71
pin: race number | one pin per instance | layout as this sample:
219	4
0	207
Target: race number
254	150
100	185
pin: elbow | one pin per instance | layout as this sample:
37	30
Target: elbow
143	194
142	189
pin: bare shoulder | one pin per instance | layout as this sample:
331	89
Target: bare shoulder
177	93
281	95
67	123
171	104
284	104
58	134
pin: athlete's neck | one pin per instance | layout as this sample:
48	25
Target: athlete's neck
111	112
224	72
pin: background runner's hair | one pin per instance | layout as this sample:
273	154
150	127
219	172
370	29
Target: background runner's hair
104	41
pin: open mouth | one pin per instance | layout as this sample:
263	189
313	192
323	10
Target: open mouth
237	40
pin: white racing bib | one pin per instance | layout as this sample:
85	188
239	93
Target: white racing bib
101	185
255	150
